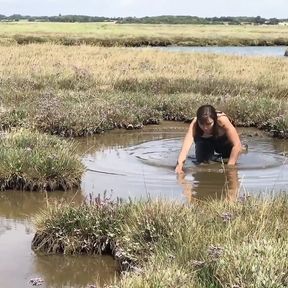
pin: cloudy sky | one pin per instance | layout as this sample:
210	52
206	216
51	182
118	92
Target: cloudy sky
139	8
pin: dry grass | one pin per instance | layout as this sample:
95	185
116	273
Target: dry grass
51	66
110	34
81	91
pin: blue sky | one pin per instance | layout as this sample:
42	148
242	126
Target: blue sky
140	8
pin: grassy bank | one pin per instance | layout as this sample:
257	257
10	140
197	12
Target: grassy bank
165	244
135	35
33	161
74	92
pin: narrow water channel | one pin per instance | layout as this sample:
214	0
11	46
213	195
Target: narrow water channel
131	164
265	51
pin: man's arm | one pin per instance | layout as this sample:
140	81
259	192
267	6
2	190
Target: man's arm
233	138
188	141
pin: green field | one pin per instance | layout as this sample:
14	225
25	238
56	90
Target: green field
110	34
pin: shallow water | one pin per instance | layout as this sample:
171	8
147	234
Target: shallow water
266	51
145	166
136	164
19	264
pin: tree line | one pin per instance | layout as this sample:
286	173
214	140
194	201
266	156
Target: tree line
165	19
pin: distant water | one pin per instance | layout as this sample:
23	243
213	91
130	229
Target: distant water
276	51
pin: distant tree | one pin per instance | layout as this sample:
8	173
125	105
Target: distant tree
273	21
162	19
259	20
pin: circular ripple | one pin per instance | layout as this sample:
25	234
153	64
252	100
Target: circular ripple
163	153
148	168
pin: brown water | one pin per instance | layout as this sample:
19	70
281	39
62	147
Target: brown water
141	164
19	264
136	164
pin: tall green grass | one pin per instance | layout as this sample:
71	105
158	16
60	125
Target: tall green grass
164	244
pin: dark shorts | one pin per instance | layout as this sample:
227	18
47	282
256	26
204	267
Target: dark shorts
205	148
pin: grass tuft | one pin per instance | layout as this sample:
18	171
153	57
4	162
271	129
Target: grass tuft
168	244
30	160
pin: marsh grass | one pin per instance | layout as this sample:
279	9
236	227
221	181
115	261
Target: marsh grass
33	161
165	244
76	92
135	35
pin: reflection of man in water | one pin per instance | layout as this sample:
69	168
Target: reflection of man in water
211	185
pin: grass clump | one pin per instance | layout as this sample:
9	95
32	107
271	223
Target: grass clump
71	113
168	244
251	263
30	160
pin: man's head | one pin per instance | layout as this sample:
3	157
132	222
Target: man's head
207	118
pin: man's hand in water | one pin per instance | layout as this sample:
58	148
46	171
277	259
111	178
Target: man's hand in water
179	168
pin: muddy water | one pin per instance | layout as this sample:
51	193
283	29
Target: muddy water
142	165
135	164
19	264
